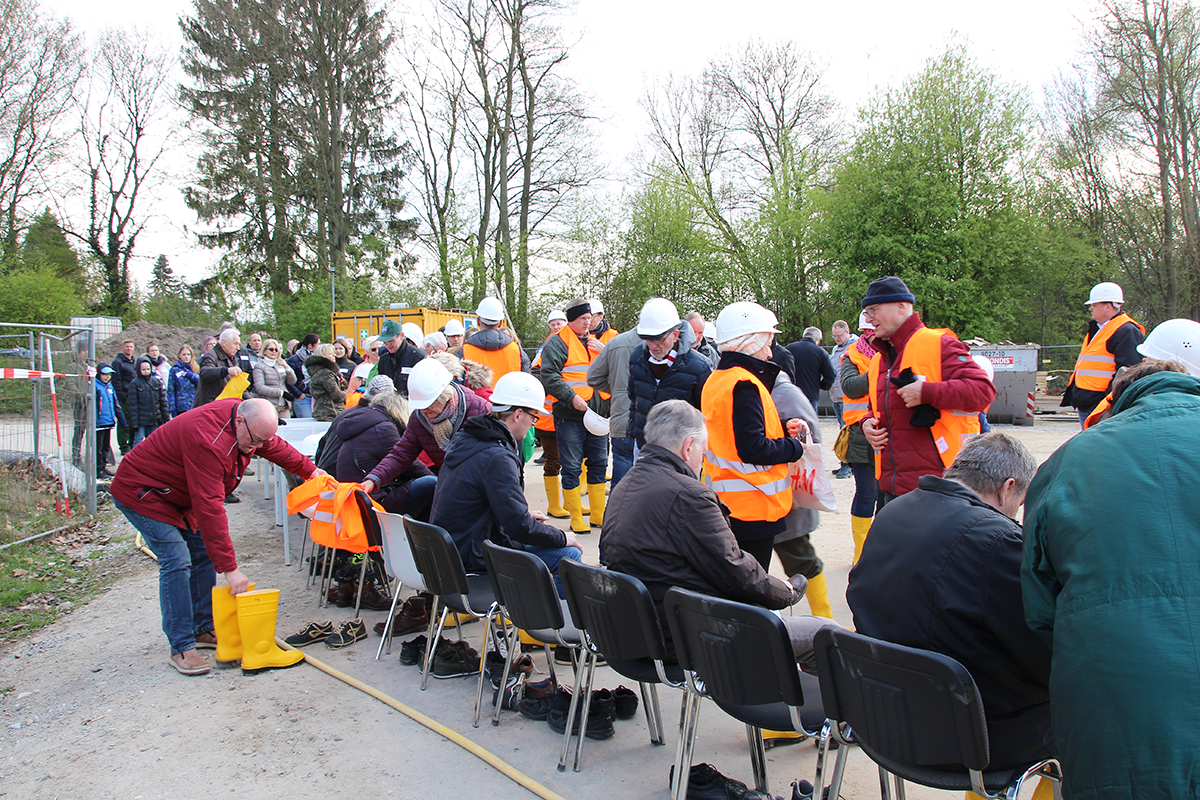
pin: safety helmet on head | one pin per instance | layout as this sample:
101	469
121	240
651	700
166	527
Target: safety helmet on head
710	330
659	316
1175	340
413	332
556	314
428	379
597	306
863	325
490	311
986	365
454	328
519	390
1107	292
739	319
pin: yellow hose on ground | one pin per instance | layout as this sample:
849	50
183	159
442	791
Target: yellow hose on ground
488	757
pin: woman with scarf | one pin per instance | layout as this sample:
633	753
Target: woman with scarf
859	454
182	381
441	406
271	375
159	362
325	384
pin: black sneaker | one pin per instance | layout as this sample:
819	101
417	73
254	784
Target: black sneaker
455	660
495	667
539	708
626	702
599	724
706	783
513	695
311	633
348	632
232	498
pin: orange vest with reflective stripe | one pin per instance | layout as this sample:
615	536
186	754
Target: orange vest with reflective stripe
923	353
1094	417
752	492
855	410
579	358
608	335
545	422
1095	368
503	361
336	520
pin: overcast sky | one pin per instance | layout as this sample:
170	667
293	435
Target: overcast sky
620	45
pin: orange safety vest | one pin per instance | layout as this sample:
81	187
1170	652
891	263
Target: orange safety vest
503	361
855	410
1094	417
579	358
335	520
752	492
608	335
352	399
923	353
545	423
1095	368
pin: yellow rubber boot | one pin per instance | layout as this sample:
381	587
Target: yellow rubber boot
256	613
225	626
859	526
583	495
553	495
572	504
818	596
776	738
597	498
525	638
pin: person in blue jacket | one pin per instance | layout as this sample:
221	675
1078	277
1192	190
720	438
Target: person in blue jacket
182	381
108	413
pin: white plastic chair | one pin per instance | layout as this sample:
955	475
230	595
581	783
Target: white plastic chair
398	559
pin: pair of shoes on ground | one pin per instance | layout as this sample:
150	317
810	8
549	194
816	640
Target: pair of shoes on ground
346	592
843	471
344	634
600	716
412	652
243	634
455	660
706	783
413	616
494	667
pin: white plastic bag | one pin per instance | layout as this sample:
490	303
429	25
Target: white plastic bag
811	486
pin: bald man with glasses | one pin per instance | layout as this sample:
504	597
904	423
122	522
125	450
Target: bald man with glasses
171	488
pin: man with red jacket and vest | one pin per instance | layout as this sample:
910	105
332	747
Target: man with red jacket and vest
1110	344
566	357
171	488
492	345
926	392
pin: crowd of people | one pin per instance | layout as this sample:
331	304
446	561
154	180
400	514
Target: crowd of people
1056	620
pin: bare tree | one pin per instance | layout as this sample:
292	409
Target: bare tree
41	64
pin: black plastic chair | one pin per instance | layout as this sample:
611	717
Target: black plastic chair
453	589
524	589
741	657
913	712
619	622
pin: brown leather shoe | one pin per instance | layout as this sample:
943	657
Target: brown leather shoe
411	618
342	595
373	599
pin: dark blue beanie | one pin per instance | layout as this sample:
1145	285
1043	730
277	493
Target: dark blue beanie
887	290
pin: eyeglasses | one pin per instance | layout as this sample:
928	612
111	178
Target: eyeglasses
271	349
253	442
536	416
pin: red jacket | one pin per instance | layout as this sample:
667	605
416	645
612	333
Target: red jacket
910	452
181	475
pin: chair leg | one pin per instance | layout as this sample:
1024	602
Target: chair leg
483	650
822	755
549	662
687	741
653	712
571	711
327	576
304	546
387	627
758	758
514	651
362	575
590	668
839	770
431	641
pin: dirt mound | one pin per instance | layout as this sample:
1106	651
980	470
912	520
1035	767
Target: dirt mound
168	338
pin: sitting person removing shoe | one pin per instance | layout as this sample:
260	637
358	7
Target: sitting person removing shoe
171	488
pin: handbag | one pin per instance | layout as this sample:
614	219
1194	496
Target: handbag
811	487
841	446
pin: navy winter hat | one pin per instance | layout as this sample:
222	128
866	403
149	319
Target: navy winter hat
887	290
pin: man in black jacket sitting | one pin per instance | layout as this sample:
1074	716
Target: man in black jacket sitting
941	571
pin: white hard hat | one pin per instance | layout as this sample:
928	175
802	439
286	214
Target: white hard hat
710	330
455	328
519	390
413	332
490	310
557	314
1107	292
863	325
986	365
428	379
739	319
596	425
597	306
658	317
1175	340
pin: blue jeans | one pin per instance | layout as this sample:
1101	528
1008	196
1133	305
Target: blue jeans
866	489
551	556
622	448
302	408
420	497
141	433
837	412
574	445
185	578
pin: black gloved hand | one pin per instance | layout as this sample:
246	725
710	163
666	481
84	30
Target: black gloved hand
924	415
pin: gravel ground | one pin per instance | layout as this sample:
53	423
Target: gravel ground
92	710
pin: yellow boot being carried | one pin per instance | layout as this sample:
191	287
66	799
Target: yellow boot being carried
597	498
859	526
573	506
225	626
553	498
818	596
256	613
